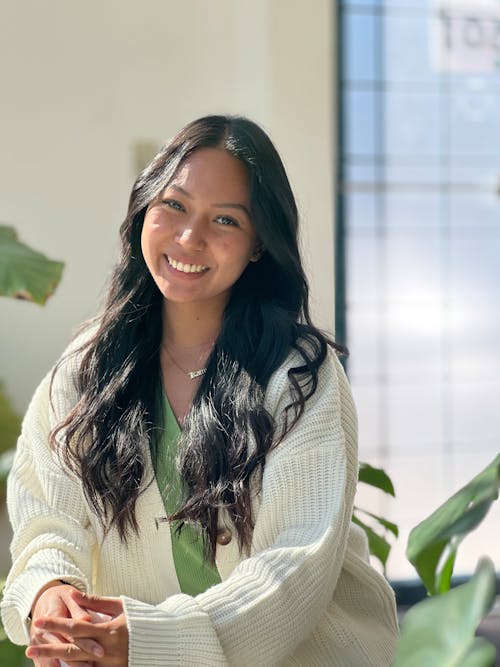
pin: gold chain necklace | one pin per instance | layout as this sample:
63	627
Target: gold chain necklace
192	374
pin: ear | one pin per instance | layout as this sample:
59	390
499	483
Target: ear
258	252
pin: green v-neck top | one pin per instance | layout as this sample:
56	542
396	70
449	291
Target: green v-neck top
194	574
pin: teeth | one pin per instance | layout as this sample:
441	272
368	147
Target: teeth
186	268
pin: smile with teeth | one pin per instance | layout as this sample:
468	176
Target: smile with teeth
186	268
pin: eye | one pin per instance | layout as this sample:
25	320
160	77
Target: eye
173	203
227	221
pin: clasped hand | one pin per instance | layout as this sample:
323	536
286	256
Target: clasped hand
66	626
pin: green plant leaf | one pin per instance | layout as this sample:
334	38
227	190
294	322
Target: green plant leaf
434	540
379	547
439	631
25	273
481	654
388	525
375	477
10	423
443	577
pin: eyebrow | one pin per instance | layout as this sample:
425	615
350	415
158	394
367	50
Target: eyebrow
240	207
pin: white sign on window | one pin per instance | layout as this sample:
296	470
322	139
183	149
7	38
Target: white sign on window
465	36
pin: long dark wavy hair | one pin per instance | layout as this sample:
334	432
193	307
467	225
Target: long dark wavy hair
116	422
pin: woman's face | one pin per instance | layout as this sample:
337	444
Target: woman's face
197	237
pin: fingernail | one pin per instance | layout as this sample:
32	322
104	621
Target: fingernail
98	651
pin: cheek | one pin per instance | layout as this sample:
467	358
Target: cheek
151	233
144	242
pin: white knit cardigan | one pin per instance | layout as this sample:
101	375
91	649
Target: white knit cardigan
305	596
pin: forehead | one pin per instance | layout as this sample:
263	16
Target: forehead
215	173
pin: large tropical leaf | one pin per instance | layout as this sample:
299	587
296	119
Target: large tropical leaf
25	273
432	545
440	631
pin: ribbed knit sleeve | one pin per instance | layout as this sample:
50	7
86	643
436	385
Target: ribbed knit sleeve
274	599
52	539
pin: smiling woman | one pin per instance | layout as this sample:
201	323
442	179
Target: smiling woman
198	237
188	469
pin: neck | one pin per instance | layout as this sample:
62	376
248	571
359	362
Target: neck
188	327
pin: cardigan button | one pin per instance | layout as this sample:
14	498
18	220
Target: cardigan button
224	536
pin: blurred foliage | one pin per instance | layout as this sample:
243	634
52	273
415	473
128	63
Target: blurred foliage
440	631
29	275
25	273
10	423
10	427
432	545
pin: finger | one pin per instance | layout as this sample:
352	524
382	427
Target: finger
112	606
87	645
62	663
43	637
67	652
47	663
75	610
90	646
67	627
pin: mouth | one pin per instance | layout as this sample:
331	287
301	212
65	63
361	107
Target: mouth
186	268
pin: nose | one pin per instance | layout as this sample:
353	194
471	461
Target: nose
192	235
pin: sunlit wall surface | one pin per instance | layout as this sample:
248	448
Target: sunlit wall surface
420	193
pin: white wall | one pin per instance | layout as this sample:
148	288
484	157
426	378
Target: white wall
80	82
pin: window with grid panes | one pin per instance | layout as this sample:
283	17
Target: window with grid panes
419	206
